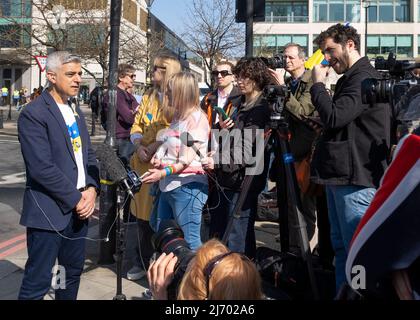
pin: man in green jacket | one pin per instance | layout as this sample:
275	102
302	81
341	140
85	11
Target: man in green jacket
302	136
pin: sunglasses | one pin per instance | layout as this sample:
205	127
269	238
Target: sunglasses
132	76
223	73
155	68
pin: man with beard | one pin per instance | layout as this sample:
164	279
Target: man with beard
350	156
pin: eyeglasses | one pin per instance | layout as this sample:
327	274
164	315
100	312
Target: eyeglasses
223	73
158	67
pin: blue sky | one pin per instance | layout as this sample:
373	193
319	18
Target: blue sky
172	13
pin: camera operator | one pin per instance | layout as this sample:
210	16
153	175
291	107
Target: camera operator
302	137
215	273
252	76
350	156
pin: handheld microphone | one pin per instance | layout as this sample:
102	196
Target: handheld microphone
189	141
117	172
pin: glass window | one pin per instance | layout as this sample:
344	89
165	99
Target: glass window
269	45
320	10
401	45
336	12
352	11
389	11
286	11
386	11
14	36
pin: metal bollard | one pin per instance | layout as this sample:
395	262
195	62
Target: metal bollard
1	118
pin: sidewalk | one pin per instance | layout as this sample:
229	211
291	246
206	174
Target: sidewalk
98	282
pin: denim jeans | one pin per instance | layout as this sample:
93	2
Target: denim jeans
184	204
346	207
242	236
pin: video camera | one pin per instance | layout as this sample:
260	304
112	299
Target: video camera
170	238
395	83
276	97
276	62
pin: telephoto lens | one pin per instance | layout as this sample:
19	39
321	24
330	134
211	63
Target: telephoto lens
170	238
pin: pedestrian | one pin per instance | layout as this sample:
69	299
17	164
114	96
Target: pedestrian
62	181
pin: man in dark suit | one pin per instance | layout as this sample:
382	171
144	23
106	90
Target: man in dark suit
62	181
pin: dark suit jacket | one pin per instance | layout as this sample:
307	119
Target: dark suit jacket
51	169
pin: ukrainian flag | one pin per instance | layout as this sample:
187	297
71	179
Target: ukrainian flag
315	59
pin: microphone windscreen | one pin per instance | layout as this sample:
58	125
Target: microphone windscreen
110	162
186	139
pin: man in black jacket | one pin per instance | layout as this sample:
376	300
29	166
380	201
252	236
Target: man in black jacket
227	96
350	156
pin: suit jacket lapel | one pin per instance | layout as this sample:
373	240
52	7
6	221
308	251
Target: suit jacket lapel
53	108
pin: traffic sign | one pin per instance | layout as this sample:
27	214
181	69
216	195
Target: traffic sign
42	62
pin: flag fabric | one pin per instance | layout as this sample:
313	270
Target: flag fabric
388	236
315	59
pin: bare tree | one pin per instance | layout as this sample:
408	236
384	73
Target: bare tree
80	26
213	33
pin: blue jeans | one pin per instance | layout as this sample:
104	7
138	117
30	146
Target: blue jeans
44	247
184	204
346	207
242	236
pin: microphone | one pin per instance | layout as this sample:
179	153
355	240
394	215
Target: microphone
189	141
116	170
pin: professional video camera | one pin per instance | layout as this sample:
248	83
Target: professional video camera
276	97
396	81
275	62
170	238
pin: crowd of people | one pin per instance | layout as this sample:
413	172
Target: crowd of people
340	159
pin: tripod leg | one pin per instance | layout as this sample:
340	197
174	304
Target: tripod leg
293	192
119	246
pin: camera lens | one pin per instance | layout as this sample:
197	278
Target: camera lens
170	238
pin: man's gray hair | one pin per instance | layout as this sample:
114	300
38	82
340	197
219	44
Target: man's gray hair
56	59
301	50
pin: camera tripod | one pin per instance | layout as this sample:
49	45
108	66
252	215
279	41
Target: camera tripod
278	129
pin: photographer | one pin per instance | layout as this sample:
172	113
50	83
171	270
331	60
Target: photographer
253	114
302	137
215	273
350	156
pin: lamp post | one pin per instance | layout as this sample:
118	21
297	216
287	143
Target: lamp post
149	4
366	5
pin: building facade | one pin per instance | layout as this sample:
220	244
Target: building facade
392	25
29	29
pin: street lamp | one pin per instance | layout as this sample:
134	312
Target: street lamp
149	4
366	5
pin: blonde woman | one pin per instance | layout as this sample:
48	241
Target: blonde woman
182	179
151	117
215	273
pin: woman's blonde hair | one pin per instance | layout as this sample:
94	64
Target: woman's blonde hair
172	66
185	93
233	278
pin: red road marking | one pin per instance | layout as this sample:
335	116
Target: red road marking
13	240
12	250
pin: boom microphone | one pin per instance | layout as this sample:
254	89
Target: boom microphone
189	141
116	169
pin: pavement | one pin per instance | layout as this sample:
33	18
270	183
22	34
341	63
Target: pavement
98	282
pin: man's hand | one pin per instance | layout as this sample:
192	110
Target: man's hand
160	275
143	154
86	205
320	73
227	124
278	76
